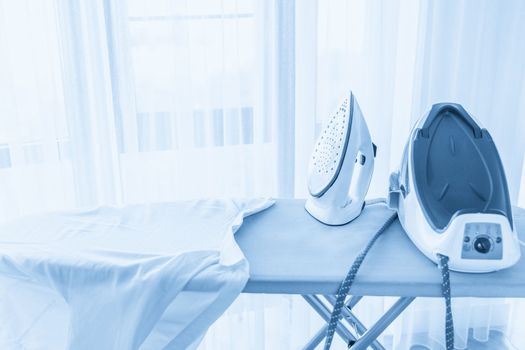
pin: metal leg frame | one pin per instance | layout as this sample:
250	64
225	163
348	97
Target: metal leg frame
323	311
363	338
352	319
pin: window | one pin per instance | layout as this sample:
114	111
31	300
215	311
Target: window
196	72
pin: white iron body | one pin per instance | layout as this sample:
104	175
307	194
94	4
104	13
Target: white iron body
451	241
342	200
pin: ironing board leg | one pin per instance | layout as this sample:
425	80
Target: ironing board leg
370	335
353	320
320	335
324	312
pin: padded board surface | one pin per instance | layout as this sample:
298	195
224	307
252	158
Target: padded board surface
457	168
291	252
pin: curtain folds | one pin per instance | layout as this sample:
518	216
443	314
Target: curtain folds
117	102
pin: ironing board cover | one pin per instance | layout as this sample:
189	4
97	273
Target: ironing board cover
291	252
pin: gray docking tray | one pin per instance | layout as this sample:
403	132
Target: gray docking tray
457	168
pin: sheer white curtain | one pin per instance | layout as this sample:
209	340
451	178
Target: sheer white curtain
131	101
197	99
118	102
35	171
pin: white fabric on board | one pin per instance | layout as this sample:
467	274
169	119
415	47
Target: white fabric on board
145	276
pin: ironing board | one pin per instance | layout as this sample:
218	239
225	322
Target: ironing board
291	253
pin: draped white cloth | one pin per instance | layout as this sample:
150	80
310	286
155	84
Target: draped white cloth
125	102
146	276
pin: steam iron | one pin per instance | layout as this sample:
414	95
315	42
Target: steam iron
451	193
341	166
